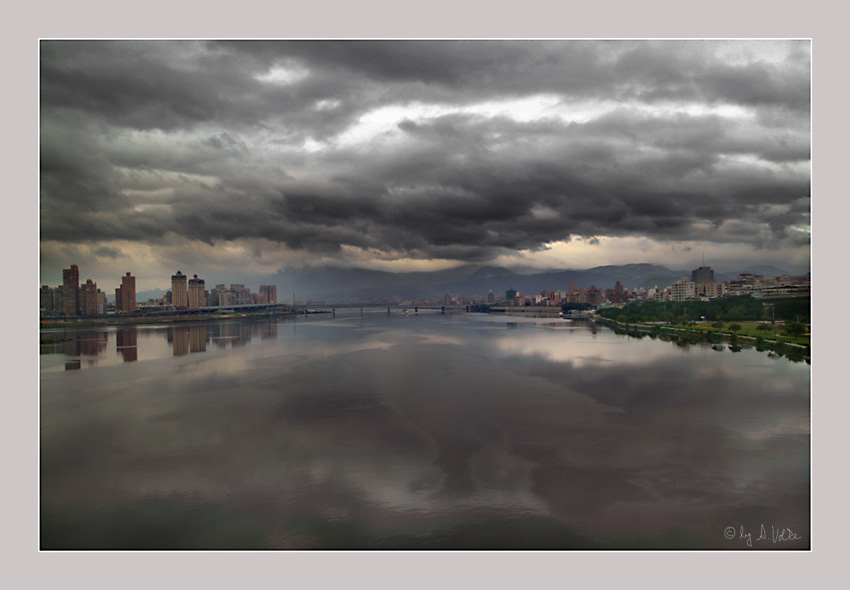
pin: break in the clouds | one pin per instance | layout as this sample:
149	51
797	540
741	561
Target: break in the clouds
397	154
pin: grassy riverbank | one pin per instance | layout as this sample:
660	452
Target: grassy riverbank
749	330
797	349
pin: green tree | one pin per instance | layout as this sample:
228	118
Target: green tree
667	316
735	327
795	329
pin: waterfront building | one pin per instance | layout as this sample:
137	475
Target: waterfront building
179	290
710	289
682	290
102	303
268	294
71	290
226	298
88	298
745	284
241	294
215	295
786	291
617	294
46	298
128	294
197	296
591	295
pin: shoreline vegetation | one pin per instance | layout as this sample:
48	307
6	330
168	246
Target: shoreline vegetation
796	349
780	327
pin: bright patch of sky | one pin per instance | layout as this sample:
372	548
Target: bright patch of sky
581	253
382	122
285	73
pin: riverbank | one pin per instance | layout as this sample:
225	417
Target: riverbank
687	335
124	320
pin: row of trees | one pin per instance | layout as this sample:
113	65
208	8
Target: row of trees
744	308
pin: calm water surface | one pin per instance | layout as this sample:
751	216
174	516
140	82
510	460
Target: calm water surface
429	431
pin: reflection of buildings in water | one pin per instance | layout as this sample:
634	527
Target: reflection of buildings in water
268	331
85	342
218	334
179	338
198	338
243	333
126	343
234	333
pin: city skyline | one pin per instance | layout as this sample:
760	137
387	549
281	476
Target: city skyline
245	159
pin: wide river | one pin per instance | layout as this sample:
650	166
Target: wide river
419	431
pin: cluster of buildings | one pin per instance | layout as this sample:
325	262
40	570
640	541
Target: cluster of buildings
701	285
74	299
191	293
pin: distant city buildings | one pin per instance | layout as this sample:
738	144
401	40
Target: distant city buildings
88	298
703	274
71	290
125	295
179	291
197	297
71	299
683	290
268	294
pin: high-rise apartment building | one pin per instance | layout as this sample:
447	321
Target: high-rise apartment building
197	293
179	290
128	293
101	302
268	294
71	290
682	290
703	274
46	298
241	294
88	298
711	289
125	295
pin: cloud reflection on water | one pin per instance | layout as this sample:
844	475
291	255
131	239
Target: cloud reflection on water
407	430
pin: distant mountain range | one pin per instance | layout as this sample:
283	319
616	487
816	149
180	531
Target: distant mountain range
357	284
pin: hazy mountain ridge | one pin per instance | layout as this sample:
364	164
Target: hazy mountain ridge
357	284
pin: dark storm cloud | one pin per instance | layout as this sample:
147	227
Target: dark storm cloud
211	141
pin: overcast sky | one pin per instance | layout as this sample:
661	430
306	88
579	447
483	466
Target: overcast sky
234	160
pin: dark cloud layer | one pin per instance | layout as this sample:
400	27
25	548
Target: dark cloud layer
286	141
